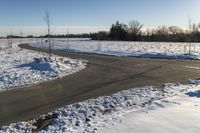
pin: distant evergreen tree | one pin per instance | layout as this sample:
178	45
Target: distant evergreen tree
118	31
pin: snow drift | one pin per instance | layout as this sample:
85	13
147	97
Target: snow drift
19	67
95	114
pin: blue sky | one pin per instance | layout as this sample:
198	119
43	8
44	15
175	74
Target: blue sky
77	14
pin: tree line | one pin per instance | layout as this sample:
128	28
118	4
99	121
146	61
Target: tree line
133	31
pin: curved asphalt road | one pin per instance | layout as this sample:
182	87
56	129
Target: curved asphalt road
104	75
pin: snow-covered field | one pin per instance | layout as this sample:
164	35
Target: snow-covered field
178	114
139	49
171	108
19	68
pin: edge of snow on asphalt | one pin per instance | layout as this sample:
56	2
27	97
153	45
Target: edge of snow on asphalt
94	114
20	67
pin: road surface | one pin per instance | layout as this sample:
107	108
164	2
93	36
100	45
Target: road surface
104	75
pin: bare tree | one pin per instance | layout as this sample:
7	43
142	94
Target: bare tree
67	35
189	23
148	32
135	27
174	30
9	40
162	30
195	27
190	30
21	36
47	20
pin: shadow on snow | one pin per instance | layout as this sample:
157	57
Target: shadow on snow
194	94
38	66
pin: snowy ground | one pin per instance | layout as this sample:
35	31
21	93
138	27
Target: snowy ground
18	67
171	108
178	114
12	43
139	49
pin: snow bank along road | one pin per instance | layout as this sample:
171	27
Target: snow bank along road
104	75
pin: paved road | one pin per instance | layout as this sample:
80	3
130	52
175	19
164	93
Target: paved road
104	75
